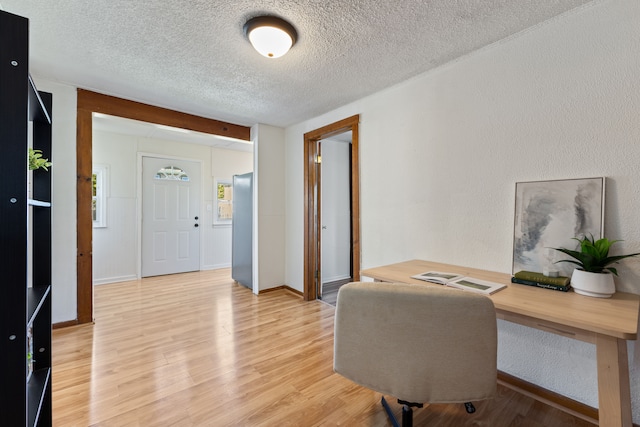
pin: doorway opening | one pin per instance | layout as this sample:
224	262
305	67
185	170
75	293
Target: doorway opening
313	204
335	215
91	102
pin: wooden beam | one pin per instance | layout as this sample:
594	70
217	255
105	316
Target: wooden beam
105	104
84	193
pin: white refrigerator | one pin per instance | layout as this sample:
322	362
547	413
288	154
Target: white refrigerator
242	230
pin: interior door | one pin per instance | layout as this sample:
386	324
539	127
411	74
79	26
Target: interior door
170	216
335	210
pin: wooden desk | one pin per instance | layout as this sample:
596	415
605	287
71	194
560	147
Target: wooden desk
607	323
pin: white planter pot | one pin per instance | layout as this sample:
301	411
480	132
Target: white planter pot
599	285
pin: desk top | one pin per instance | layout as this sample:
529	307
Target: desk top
616	316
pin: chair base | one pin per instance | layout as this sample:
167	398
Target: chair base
407	411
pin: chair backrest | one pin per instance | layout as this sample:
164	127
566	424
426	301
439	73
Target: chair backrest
419	343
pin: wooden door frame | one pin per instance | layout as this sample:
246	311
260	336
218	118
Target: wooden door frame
311	208
91	102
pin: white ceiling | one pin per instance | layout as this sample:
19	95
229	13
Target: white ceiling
192	56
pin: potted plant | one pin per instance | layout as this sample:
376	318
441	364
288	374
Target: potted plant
594	275
36	161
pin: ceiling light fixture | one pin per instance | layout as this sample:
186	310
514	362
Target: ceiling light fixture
270	36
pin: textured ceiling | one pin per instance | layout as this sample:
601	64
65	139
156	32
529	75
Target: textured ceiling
192	55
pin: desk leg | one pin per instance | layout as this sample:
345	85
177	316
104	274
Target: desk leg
614	394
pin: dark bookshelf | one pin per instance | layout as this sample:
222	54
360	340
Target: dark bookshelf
25	230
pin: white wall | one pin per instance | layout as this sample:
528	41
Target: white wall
561	100
269	214
115	247
115	250
63	206
224	164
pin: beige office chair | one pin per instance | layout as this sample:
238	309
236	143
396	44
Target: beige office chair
418	343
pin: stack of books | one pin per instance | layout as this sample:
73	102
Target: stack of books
531	278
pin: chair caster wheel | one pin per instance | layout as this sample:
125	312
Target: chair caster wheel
470	408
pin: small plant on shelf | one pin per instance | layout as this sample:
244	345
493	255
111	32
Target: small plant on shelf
36	161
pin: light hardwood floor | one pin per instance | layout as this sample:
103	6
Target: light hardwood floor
196	349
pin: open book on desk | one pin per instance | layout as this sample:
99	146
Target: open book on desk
460	282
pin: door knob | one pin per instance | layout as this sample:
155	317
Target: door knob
196	218
195	225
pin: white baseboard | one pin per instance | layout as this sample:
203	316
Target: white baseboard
114	279
215	266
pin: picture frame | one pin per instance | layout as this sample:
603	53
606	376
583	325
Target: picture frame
549	214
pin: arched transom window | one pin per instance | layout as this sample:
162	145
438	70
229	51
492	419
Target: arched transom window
172	173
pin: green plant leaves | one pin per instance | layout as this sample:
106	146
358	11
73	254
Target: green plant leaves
36	161
594	255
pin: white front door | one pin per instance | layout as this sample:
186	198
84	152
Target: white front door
170	216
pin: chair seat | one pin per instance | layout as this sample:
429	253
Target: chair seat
419	343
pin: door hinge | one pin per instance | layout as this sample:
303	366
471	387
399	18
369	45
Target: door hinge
317	274
318	159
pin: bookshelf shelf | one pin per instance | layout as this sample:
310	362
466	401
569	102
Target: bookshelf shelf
38	203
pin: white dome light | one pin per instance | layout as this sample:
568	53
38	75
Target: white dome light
270	36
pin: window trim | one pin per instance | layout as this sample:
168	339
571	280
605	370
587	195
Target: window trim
101	174
216	213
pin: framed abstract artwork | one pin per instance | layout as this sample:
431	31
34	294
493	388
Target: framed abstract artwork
548	214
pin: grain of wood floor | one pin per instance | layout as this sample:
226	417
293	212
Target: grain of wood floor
196	349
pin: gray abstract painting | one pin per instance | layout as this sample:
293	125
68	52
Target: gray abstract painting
548	215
